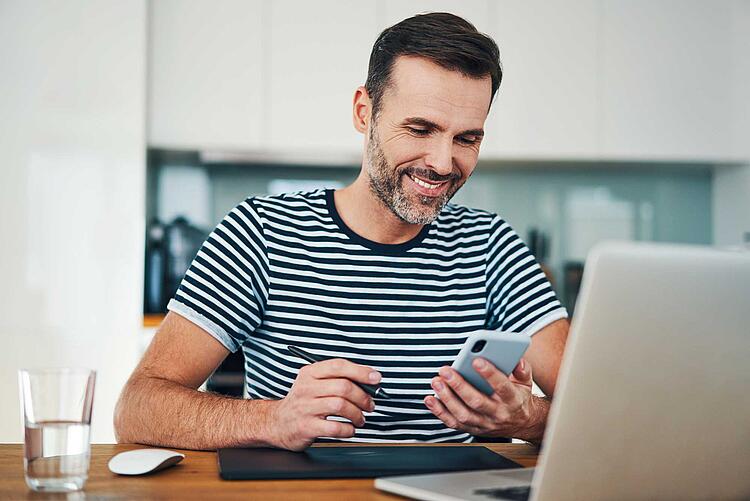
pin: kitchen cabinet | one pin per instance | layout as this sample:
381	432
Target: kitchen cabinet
547	104
477	12
318	57
583	79
206	74
740	80
665	79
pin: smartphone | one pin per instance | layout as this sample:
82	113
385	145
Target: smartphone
503	349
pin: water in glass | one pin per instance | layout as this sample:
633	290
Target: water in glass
56	455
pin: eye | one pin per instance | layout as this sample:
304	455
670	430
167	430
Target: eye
468	140
418	132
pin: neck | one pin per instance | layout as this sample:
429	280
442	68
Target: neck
366	215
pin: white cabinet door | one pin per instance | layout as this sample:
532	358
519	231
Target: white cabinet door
318	57
206	74
474	11
740	80
666	79
547	103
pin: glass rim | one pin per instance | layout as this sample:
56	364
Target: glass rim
57	370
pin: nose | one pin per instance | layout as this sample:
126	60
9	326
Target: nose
439	156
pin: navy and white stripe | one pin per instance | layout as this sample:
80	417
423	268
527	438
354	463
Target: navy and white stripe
285	269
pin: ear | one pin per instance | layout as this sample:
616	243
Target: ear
361	110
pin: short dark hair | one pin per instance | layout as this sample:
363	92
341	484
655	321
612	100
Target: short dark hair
445	39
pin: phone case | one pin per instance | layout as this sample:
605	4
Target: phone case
502	349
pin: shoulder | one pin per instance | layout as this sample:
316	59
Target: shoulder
456	216
470	224
294	205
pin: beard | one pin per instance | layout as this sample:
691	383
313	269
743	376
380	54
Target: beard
387	184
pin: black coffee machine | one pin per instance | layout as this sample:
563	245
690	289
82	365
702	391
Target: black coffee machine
170	248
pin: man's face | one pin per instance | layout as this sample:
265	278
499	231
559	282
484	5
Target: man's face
424	143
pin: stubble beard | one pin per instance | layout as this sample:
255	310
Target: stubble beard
386	183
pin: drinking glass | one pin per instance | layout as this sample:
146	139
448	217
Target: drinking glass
56	407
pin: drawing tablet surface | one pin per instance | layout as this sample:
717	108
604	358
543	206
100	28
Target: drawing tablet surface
355	462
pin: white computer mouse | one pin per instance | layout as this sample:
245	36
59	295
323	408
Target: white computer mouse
142	461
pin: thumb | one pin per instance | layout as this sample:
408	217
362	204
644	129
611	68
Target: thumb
522	373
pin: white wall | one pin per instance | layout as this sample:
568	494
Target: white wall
72	170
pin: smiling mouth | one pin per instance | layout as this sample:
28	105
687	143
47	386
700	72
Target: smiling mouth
425	184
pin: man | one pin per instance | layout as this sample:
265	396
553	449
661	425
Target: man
384	275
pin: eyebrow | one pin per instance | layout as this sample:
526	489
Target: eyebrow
432	125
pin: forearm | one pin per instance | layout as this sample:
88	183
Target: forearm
534	430
160	412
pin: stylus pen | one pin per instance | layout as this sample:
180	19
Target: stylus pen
372	390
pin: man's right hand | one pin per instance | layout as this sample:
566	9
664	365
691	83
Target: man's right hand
322	389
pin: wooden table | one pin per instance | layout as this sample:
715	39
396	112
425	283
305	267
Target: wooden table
197	476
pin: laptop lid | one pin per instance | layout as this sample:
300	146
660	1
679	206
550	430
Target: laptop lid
652	399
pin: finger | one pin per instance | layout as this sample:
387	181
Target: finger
340	368
455	406
444	415
340	387
499	382
473	398
522	373
334	429
338	406
439	410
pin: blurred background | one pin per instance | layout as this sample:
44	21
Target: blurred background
128	129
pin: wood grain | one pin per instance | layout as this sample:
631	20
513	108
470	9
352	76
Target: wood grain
197	476
153	319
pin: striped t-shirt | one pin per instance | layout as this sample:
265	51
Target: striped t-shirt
285	270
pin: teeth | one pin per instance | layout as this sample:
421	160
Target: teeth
426	185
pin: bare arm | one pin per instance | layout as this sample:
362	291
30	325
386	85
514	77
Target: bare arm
160	404
545	354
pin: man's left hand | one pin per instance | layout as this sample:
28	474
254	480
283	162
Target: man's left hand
511	410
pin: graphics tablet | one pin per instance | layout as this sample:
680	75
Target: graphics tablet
355	461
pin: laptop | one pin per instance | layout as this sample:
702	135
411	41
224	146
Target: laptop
653	397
